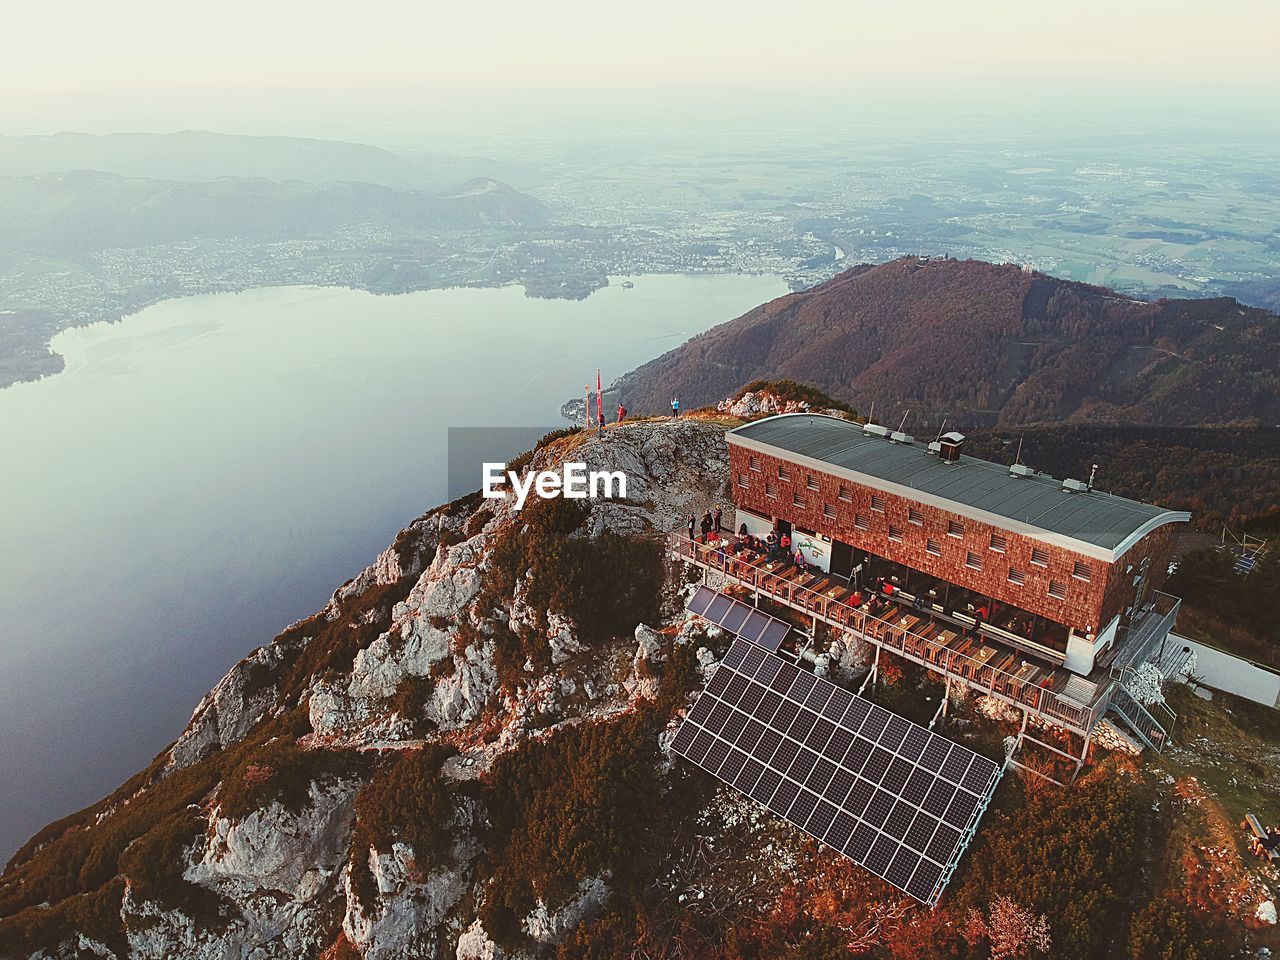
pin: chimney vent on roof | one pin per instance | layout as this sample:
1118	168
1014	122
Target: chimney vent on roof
1074	486
1021	470
899	437
949	446
875	430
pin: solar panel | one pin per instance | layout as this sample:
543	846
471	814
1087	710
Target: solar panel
739	618
700	600
895	798
774	633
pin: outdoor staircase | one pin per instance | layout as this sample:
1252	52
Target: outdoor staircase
1139	720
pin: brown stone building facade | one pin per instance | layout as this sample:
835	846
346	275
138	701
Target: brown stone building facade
1090	595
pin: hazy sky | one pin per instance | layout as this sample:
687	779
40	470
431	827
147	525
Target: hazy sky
65	63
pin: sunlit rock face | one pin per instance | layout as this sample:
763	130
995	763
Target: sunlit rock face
286	881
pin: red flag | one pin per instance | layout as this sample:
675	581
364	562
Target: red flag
599	400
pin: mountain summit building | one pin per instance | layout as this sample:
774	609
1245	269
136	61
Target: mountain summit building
1052	568
1041	593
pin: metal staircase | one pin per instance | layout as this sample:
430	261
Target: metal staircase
1138	720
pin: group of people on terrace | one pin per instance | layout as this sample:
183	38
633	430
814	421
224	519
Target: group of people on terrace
878	594
710	526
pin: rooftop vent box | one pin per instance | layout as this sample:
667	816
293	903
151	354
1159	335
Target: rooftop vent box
899	437
935	447
875	429
1076	486
1021	470
949	446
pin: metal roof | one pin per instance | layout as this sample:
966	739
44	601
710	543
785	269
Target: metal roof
1098	524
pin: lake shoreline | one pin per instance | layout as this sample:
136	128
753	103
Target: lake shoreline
55	358
210	469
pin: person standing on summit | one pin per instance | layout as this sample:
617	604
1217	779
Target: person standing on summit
675	406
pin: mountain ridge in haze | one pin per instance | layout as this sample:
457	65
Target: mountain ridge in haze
86	210
193	155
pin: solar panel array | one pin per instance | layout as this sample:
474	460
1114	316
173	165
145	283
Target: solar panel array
739	618
894	797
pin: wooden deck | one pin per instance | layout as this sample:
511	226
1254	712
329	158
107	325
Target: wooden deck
945	648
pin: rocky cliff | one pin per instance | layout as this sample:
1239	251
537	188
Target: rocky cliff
272	826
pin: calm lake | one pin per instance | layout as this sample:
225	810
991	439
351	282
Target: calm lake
209	470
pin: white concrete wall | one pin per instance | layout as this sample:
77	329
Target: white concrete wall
757	526
1225	671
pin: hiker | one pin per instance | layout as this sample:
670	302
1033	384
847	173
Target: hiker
622	413
706	524
784	542
743	531
717	516
1262	846
800	560
675	406
692	522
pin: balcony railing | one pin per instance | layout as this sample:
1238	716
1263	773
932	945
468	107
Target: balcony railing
913	635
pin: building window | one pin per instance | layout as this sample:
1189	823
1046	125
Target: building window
828	511
895	533
1057	590
915	516
1016	576
753	463
1040	556
999	542
784	474
861	523
973	561
933	546
846	494
955	528
1082	571
811	483
877	503
771	491
742	480
798	500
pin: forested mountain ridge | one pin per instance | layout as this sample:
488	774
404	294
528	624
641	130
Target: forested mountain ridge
987	345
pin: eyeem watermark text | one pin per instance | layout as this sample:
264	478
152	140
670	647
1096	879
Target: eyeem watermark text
574	482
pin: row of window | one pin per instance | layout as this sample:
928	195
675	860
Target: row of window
999	543
784	474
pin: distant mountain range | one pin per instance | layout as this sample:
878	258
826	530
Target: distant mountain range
89	210
987	345
201	155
